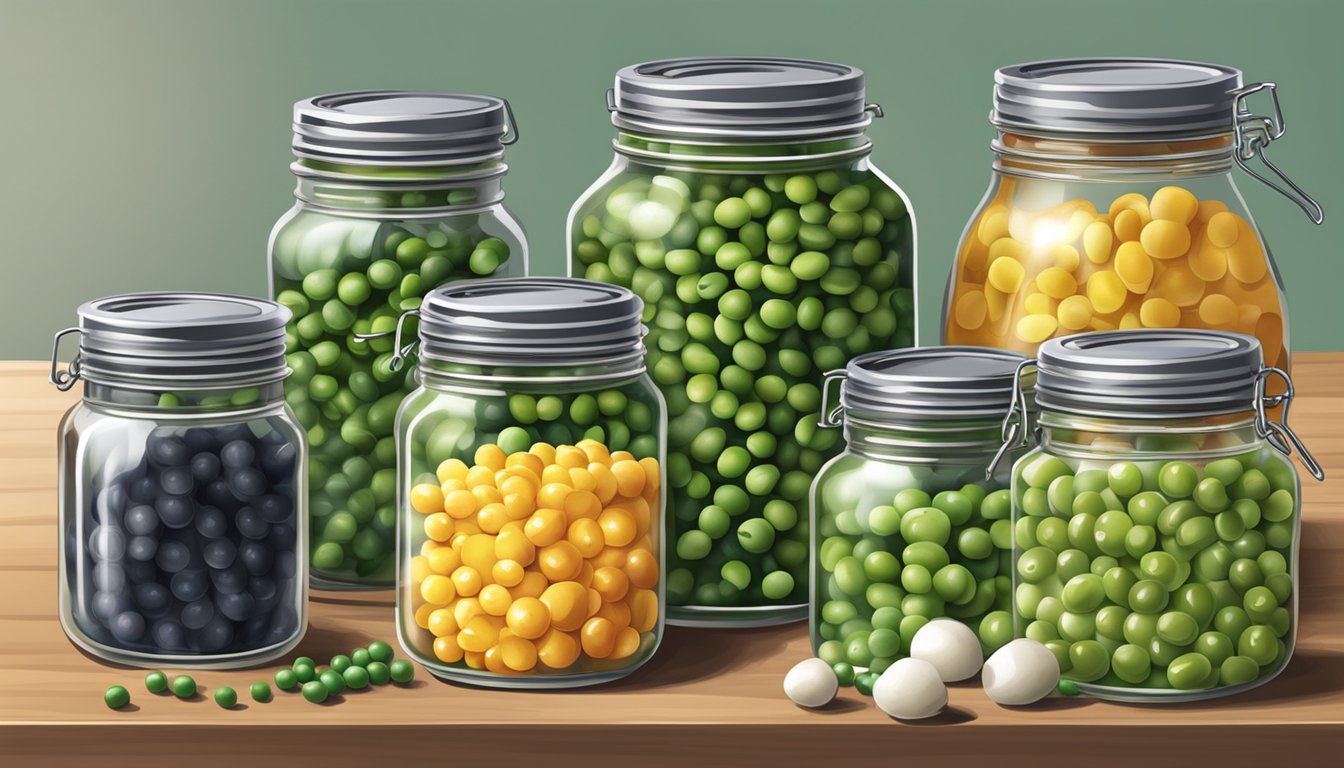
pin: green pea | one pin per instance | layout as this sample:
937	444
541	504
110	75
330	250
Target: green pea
156	682
184	686
1083	593
1148	596
1088	660
1189	671
1215	646
927	524
116	697
1238	670
1253	485
1279	506
777	585
286	679
402	671
226	697
314	691
1124	478
756	535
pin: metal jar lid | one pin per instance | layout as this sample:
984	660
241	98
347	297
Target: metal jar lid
403	128
1116	95
533	322
166	341
1149	373
740	97
929	384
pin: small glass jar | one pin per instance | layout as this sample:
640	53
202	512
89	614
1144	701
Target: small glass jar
908	523
1156	526
743	208
182	484
1112	205
531	487
398	192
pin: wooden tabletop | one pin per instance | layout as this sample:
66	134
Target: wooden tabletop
708	697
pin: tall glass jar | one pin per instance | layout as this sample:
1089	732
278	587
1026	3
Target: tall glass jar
1112	205
398	192
1156	526
742	207
531	487
908	523
182	484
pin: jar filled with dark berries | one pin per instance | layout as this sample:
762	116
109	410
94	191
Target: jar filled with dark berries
182	483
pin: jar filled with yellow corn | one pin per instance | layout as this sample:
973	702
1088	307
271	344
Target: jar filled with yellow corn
530	474
1112	206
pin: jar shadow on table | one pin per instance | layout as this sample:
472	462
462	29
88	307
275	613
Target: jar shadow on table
949	716
377	598
687	655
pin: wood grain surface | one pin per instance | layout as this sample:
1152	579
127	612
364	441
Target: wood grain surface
709	697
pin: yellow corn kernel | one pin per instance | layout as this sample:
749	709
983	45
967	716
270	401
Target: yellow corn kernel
478	553
512	544
443	560
595	451
1057	283
426	498
585	576
611	583
1066	256
467	581
480	475
441	622
518	506
439	526
560	561
970	310
478	634
1131	202
1039	304
594	601
460	538
486	494
605	480
1106	291
474	660
581	503
1130	321
451	469
618	526
627	642
1164	239
643	609
1207	209
508	573
642	568
1128	225
613	557
447	650
495	599
598	638
621	456
993	225
1222	230
554	474
653	478
568	604
528	618
424	615
492	517
629	476
1097	240
543	451
1133	267
1074	313
558	649
1005	274
490	455
460	505
1174	204
531	461
429	546
582	480
1208	262
618	613
1034	329
1007	248
1179	285
586	536
570	457
420	568
1218	311
533	584
545	527
452	484
1246	261
1159	313
1078	221
518	654
553	495
437	589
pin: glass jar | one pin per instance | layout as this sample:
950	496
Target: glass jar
182	483
742	207
398	192
1112	206
908	524
1156	526
531	487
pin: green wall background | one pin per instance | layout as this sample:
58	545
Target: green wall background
146	142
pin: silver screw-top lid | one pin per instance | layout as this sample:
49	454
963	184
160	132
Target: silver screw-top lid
402	128
162	340
739	96
533	322
1116	95
1149	373
930	384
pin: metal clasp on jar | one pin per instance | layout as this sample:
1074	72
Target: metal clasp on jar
1254	132
833	417
1013	431
66	379
403	352
1278	433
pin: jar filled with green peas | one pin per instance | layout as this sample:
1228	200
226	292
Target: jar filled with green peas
742	207
531	486
1156	526
398	192
908	525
